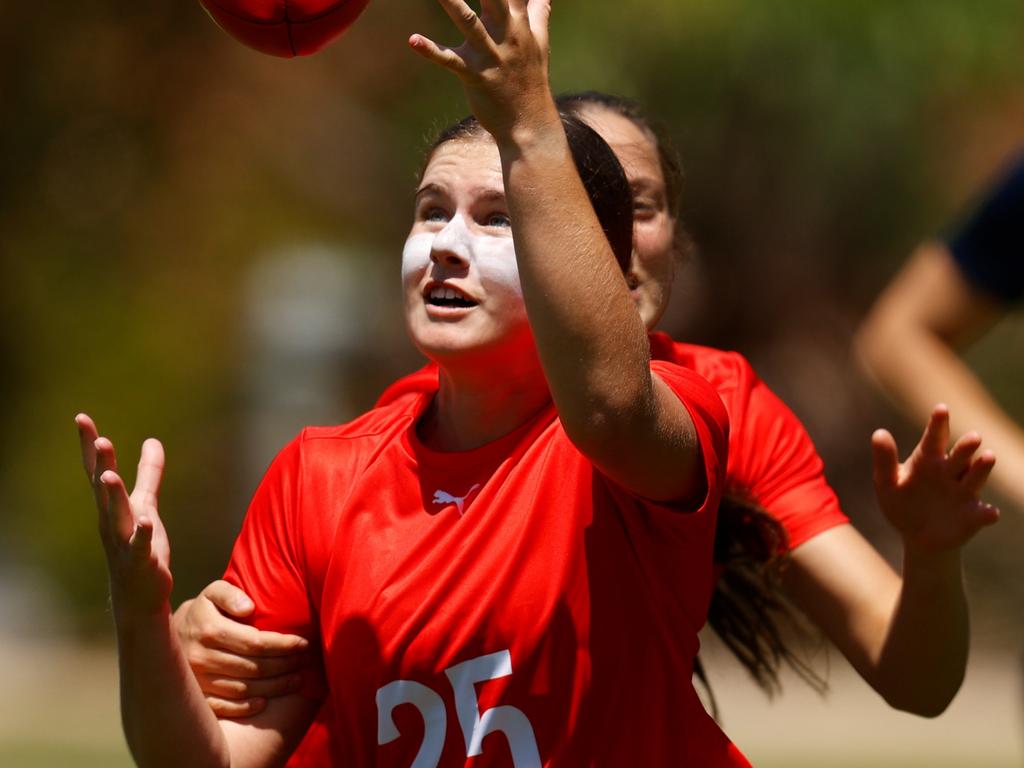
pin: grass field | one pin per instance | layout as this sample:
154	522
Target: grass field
58	709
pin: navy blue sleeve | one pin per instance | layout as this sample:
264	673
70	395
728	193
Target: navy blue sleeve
989	247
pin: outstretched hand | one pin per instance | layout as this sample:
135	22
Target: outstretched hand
932	497
138	551
503	62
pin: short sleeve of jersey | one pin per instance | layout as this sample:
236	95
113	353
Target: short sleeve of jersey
989	247
710	421
774	461
268	561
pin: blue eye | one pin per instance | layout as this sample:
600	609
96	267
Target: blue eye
435	214
499	220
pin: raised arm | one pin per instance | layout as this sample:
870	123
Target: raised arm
165	717
591	341
910	342
908	637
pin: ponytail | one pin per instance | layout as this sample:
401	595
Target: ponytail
748	610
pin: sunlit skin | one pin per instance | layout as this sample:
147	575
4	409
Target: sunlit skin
463	180
461	240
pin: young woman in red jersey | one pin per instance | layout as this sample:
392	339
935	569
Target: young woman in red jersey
512	568
906	634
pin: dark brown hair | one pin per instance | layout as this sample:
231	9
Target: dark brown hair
749	611
599	169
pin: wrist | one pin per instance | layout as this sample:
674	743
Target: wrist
538	129
129	616
935	568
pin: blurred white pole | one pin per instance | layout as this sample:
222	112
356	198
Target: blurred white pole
309	311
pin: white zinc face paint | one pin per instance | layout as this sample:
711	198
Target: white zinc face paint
490	258
460	237
416	256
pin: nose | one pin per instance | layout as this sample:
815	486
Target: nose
451	246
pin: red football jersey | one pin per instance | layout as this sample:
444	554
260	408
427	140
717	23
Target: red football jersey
506	606
772	460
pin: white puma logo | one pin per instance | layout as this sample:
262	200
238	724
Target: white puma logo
443	497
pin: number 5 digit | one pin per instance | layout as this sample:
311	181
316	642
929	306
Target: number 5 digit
507	719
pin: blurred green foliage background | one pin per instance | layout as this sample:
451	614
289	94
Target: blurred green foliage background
150	162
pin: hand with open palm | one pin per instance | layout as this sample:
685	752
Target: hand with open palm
138	551
932	498
503	62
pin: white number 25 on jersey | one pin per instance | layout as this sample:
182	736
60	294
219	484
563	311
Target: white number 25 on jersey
474	723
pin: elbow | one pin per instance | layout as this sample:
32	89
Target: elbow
871	342
929	707
929	700
601	432
610	415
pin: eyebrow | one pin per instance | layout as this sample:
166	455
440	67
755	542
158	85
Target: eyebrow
486	195
428	189
644	184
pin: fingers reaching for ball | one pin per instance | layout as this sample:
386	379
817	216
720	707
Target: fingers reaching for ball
932	498
502	61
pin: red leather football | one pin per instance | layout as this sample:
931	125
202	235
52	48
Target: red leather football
284	27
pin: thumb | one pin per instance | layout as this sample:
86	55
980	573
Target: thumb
229	599
142	538
150	472
981	516
885	460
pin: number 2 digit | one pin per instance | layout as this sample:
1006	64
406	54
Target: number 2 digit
431	707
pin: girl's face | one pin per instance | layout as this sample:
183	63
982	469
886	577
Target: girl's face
652	267
459	273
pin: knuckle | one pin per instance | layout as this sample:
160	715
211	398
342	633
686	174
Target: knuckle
207	633
215	589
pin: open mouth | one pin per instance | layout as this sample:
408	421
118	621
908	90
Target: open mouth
446	296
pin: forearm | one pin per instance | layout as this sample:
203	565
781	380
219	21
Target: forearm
589	335
921	663
906	637
166	719
590	338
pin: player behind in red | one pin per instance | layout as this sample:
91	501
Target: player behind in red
514	566
905	634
